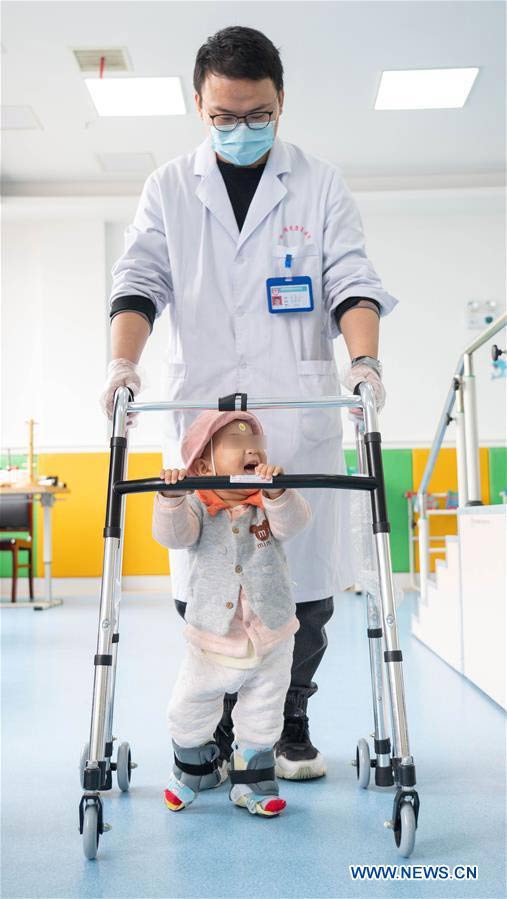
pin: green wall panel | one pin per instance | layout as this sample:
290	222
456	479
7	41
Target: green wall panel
6	557
497	472
398	480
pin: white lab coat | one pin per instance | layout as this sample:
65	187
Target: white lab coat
184	251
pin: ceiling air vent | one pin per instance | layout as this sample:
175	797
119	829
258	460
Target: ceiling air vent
116	59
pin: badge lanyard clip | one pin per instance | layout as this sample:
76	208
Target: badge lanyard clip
288	267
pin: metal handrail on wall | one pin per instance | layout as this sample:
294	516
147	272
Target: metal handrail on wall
461	393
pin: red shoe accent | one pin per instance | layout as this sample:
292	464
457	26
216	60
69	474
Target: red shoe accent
172	801
275	805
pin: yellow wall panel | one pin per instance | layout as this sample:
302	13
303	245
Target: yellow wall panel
445	473
444	478
78	519
142	554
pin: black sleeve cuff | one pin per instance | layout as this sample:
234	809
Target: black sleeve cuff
134	304
349	304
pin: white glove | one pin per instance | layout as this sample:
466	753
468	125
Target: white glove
354	375
120	373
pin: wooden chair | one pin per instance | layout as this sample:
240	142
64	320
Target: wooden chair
16	514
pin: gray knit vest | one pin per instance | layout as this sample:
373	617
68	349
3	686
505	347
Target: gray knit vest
231	554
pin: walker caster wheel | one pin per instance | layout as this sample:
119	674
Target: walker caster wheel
82	762
404	830
91	831
123	767
363	765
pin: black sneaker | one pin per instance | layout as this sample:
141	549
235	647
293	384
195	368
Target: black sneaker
295	756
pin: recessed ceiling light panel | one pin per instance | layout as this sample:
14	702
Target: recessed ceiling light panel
19	118
136	96
425	88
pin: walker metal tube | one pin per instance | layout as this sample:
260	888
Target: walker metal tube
103	660
374	620
116	618
392	655
345	402
375	634
401	748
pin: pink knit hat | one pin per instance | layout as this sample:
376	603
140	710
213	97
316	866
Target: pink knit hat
202	429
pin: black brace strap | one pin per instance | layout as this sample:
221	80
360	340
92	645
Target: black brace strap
198	770
251	775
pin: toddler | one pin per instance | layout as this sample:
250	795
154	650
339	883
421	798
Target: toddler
240	613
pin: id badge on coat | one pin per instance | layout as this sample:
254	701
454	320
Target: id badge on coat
290	294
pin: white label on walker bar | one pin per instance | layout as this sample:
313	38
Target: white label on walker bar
248	478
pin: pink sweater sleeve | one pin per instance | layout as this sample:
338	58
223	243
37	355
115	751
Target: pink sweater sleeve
288	514
175	524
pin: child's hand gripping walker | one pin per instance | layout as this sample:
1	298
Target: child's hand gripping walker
393	763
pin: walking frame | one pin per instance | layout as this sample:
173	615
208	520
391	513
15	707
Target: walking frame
393	763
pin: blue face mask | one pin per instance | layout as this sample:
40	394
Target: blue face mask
243	145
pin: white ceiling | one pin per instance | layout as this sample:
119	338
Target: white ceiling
333	54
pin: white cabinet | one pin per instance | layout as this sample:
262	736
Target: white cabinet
483	553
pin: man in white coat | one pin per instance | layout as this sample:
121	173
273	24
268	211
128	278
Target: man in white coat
215	233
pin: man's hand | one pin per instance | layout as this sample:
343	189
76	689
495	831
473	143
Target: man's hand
120	373
354	375
269	471
172	476
129	333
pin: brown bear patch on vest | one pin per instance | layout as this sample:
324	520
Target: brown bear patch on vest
261	530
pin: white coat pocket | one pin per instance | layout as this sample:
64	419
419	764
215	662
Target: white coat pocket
319	378
305	261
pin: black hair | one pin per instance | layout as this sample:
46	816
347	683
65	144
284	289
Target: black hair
238	52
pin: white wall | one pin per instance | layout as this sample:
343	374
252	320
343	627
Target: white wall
53	331
434	249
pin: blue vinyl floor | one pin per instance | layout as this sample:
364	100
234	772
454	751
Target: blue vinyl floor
213	849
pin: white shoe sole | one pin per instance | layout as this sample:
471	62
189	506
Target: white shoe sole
306	770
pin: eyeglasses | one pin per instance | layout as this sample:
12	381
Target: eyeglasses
254	120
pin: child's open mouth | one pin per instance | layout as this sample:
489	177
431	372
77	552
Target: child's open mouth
251	466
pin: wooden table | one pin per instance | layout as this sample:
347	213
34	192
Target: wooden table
46	495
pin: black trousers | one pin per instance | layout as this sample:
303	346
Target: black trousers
310	645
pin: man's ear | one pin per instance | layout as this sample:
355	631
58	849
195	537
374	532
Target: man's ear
281	98
198	104
201	467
